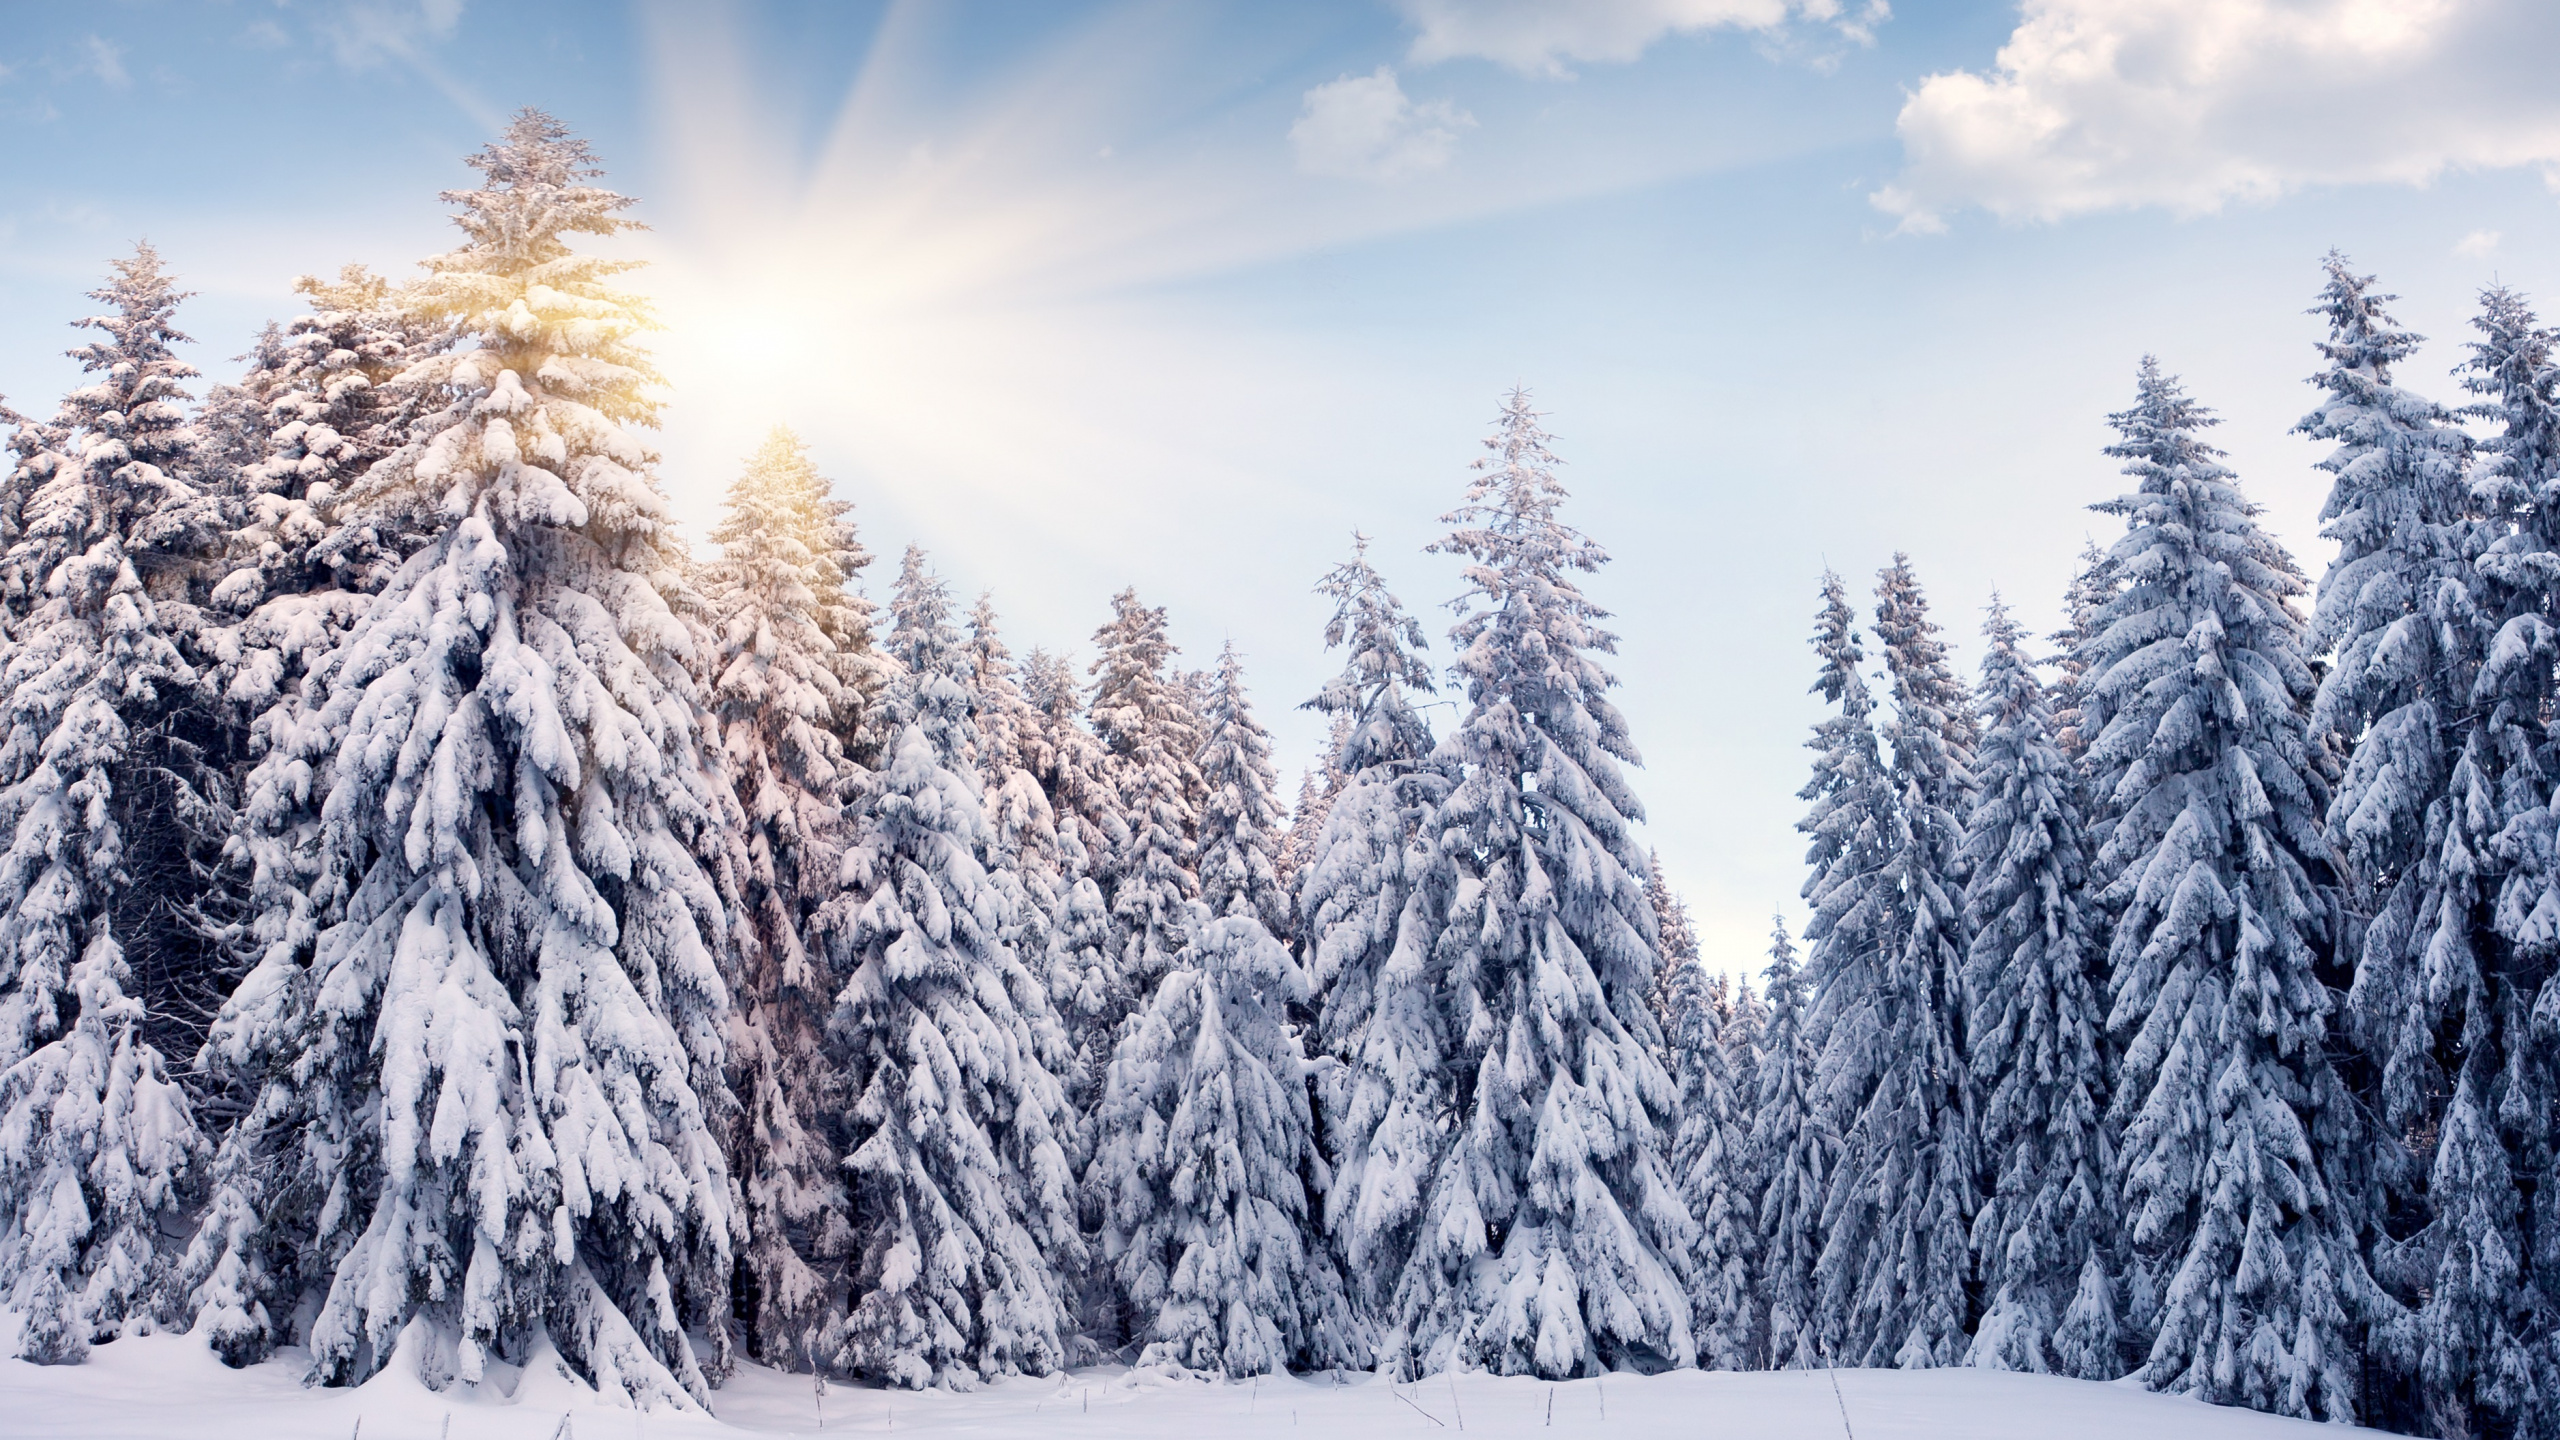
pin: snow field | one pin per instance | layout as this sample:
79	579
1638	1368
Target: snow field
171	1387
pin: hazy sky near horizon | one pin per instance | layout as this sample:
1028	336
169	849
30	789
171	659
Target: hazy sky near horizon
1178	295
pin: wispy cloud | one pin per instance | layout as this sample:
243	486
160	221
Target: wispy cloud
1364	127
364	33
2477	245
105	60
1547	37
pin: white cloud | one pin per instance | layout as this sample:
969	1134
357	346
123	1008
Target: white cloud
2477	244
1540	37
2189	104
1364	127
104	60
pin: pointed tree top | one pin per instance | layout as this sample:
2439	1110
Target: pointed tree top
536	152
1368	618
2158	430
534	190
921	636
145	297
1373	723
1508	523
2361	336
1835	639
1997	625
2512	369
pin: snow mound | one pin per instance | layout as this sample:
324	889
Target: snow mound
170	1387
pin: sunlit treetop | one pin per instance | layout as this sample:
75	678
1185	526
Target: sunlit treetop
532	304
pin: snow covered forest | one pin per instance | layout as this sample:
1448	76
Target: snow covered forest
447	919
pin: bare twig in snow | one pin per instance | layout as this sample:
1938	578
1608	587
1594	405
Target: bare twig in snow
1418	1410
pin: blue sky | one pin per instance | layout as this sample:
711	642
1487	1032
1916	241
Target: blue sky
1177	295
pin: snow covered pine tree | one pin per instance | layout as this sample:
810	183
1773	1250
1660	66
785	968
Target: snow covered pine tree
2048	1229
320	405
2246	1278
1029	860
1553	1240
490	1086
789	672
95	1140
2494	1185
1793	1154
1240	818
1889	1019
1208	1159
1367	935
1143	714
1851	822
2400	607
963	1205
1711	1158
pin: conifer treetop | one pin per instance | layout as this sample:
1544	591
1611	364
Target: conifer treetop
2399	494
1519	558
1932	730
552	369
788	555
1136	694
126	436
1374	722
139	401
1240	818
2512	367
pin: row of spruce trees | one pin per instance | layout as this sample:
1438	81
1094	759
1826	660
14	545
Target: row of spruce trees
443	921
2191	1013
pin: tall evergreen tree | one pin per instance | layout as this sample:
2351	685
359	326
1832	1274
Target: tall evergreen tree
2494	1188
1895	1263
2248	1281
963	1202
1357	878
2400	609
2047	1231
1852	822
1208	1157
95	1141
485	1035
785	699
1072	766
1367	934
1795	1151
1553	1240
1712	1160
1143	713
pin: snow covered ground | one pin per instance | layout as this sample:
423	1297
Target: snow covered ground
171	1388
